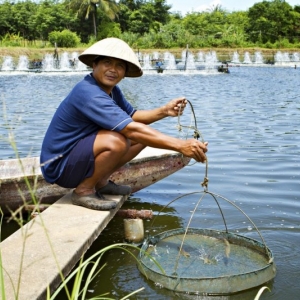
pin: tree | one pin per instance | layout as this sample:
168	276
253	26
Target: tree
6	18
49	17
87	7
196	23
270	21
206	23
23	12
174	34
140	20
295	27
124	14
106	28
239	19
161	11
141	16
132	4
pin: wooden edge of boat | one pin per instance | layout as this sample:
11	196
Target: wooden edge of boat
21	180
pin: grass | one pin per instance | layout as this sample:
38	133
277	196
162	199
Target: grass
79	289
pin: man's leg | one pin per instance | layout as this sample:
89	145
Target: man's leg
111	151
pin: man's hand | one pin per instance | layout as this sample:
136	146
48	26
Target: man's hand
145	135
194	149
175	107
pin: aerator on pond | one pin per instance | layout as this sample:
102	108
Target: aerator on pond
206	261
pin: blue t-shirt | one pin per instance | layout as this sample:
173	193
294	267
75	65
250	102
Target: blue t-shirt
85	111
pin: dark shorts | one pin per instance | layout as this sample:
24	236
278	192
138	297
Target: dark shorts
80	163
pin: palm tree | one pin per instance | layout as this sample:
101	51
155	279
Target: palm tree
109	7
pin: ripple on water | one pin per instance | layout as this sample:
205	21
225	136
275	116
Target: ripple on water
251	119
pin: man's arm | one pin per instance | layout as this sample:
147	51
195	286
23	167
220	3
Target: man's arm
143	134
171	109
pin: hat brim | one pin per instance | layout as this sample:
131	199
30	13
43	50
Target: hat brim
132	70
116	48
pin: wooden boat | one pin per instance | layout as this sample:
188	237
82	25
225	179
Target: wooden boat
20	179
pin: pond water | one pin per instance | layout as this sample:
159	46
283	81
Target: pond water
251	119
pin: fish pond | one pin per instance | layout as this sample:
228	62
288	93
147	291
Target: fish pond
251	119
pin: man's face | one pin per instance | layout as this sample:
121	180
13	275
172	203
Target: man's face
108	72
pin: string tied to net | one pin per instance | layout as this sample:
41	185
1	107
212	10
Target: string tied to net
196	134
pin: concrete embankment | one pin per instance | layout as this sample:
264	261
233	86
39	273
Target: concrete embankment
54	240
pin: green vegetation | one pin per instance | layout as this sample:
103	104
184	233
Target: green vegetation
64	38
147	24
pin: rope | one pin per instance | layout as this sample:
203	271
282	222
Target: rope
197	134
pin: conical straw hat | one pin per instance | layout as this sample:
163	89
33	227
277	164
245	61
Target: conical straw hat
116	48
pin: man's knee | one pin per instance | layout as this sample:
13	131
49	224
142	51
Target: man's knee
118	142
111	141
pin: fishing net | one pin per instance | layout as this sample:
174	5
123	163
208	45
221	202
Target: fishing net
206	261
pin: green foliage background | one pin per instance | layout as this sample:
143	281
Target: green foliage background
148	24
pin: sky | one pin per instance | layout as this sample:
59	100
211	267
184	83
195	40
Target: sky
185	6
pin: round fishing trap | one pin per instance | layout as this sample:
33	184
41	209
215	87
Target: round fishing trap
210	262
206	261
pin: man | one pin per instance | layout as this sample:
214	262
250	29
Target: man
95	130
